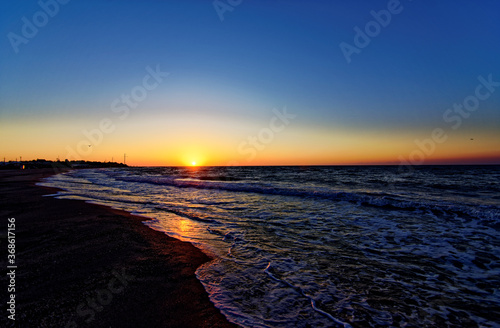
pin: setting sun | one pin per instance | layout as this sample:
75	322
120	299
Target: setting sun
193	163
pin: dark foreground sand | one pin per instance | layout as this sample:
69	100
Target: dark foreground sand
82	265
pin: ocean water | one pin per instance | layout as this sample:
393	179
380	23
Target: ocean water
325	246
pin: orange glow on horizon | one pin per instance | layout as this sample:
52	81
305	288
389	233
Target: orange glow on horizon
229	145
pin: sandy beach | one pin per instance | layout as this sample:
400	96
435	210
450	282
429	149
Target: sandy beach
83	265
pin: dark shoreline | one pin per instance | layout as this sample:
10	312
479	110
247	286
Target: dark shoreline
84	265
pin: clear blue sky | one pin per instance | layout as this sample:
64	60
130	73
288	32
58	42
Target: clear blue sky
263	55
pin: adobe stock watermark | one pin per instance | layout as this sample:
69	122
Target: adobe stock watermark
363	37
120	106
100	298
48	9
223	6
454	116
255	143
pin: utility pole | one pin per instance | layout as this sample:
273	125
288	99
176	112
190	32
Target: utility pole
20	158
124	158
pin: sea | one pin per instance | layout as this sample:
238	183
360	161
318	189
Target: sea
324	246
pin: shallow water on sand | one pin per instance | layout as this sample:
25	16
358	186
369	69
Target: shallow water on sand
325	246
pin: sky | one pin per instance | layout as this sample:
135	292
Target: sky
240	82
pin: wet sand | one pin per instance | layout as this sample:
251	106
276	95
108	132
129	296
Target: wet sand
83	265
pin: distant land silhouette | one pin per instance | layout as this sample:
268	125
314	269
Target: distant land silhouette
43	164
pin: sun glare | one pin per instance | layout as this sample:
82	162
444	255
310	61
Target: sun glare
193	163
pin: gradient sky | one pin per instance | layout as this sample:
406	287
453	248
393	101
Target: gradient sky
228	78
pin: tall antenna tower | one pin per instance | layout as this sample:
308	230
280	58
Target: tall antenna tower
124	158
